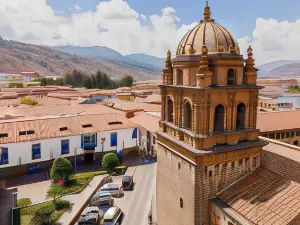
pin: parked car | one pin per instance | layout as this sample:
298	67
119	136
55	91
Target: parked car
90	216
113	216
115	190
102	199
127	183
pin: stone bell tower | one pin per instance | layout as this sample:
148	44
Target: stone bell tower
208	137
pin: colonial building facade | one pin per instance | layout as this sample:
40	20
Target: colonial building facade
208	137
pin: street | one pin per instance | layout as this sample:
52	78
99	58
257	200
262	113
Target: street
136	204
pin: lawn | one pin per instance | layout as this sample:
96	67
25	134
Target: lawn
79	181
28	213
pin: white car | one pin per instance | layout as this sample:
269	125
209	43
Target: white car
114	189
113	216
90	216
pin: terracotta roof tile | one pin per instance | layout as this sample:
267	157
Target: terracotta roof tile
146	121
264	197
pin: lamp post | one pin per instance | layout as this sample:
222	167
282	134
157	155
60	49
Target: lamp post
102	142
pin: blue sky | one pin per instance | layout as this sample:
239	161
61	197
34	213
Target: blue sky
239	16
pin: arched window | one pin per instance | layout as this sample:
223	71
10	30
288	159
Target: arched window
170	111
187	116
230	77
296	143
241	116
219	118
179	77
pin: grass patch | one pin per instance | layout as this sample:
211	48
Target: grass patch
29	212
79	181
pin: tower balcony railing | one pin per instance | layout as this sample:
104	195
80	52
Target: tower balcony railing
211	139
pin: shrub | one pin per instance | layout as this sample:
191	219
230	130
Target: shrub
110	161
15	85
24	202
62	168
31	210
62	204
43	216
28	101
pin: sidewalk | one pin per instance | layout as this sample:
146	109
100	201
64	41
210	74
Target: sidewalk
79	200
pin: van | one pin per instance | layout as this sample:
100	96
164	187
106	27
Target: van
114	189
113	216
102	199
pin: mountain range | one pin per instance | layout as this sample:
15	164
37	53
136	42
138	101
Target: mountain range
48	61
280	69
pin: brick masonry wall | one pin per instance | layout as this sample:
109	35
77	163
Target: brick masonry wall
212	179
175	180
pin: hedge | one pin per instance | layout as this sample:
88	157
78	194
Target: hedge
24	202
110	161
28	101
15	85
62	204
120	170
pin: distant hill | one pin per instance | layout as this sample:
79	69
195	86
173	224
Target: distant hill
47	61
279	69
143	61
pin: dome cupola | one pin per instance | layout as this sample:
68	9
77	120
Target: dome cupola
207	33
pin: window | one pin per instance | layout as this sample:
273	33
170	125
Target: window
181	203
272	136
4	135
230	77
219	118
36	151
134	133
113	139
115	123
188	116
179	77
26	132
287	135
63	128
65	148
210	173
87	125
277	135
241	116
3	156
292	134
297	133
170	111
89	141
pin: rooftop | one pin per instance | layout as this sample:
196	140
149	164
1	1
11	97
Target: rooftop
266	120
146	121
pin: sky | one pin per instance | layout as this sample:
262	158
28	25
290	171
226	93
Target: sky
272	27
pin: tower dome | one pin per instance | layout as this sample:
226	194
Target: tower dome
216	38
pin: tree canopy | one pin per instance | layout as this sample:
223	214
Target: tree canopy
62	169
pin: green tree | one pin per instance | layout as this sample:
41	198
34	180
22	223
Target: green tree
86	81
105	81
55	192
62	169
45	215
126	81
68	78
110	161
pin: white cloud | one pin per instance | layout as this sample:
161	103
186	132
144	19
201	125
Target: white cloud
77	8
112	23
116	25
273	40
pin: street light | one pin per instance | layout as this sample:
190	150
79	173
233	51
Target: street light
102	142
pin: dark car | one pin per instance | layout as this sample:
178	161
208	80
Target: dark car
127	183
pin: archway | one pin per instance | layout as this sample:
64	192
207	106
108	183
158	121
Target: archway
241	116
188	116
170	111
230	77
219	118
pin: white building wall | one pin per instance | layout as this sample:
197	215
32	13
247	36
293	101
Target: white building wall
23	150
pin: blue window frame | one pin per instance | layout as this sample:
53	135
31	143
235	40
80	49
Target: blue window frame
89	141
36	151
134	133
113	139
65	148
4	156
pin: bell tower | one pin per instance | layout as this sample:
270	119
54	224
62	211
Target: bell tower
208	137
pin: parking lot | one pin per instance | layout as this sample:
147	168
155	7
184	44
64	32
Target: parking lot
135	204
